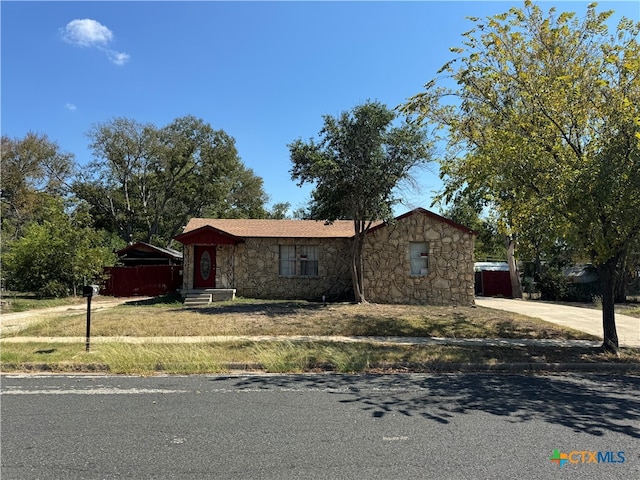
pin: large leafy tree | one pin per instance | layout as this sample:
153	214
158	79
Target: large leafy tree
58	254
146	182
33	168
359	160
545	126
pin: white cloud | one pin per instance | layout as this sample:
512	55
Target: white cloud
70	106
119	58
92	34
86	33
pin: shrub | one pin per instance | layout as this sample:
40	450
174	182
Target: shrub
553	285
53	289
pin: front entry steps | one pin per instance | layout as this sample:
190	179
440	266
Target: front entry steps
205	296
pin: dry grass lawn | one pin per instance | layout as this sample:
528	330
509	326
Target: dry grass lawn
287	318
284	356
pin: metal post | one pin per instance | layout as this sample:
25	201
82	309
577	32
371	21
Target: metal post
88	321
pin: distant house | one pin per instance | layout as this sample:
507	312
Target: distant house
142	253
144	269
419	258
492	279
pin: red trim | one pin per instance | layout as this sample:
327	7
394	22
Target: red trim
207	235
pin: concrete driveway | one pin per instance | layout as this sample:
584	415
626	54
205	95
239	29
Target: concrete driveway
587	320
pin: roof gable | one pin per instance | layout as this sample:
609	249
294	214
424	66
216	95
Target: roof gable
435	216
207	235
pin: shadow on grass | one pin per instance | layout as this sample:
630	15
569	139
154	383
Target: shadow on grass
267	308
453	325
592	404
171	299
372	325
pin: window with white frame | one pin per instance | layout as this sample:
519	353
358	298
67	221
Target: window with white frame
419	258
298	260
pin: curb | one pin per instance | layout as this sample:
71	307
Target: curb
382	368
418	341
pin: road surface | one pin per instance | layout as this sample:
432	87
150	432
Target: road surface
320	427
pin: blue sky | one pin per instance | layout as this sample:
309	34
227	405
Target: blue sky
264	72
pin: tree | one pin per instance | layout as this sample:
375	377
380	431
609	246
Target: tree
489	244
55	256
146	182
31	166
545	126
360	159
279	211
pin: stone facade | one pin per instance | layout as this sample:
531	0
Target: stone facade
449	277
188	267
257	270
252	268
441	275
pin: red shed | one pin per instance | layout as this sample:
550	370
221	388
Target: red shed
146	270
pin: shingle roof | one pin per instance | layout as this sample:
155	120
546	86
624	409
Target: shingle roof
247	228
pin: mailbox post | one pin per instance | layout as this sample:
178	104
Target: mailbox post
89	291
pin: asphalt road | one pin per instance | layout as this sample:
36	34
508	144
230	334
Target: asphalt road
320	427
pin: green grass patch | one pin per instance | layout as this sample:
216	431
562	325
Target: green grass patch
22	302
280	357
630	311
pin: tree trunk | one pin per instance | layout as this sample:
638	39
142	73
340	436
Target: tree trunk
608	276
516	286
622	281
357	273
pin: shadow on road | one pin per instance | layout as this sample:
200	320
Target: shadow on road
589	404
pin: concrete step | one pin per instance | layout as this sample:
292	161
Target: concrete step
206	296
197	299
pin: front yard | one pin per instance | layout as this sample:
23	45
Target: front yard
293	318
286	319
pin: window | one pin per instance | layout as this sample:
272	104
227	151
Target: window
419	258
308	260
301	260
287	260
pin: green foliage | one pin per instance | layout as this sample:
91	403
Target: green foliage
57	255
279	211
553	285
53	289
489	243
357	164
146	182
546	130
22	302
31	166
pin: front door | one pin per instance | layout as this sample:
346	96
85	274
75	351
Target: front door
205	266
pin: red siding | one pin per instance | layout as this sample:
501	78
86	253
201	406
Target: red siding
495	284
147	280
